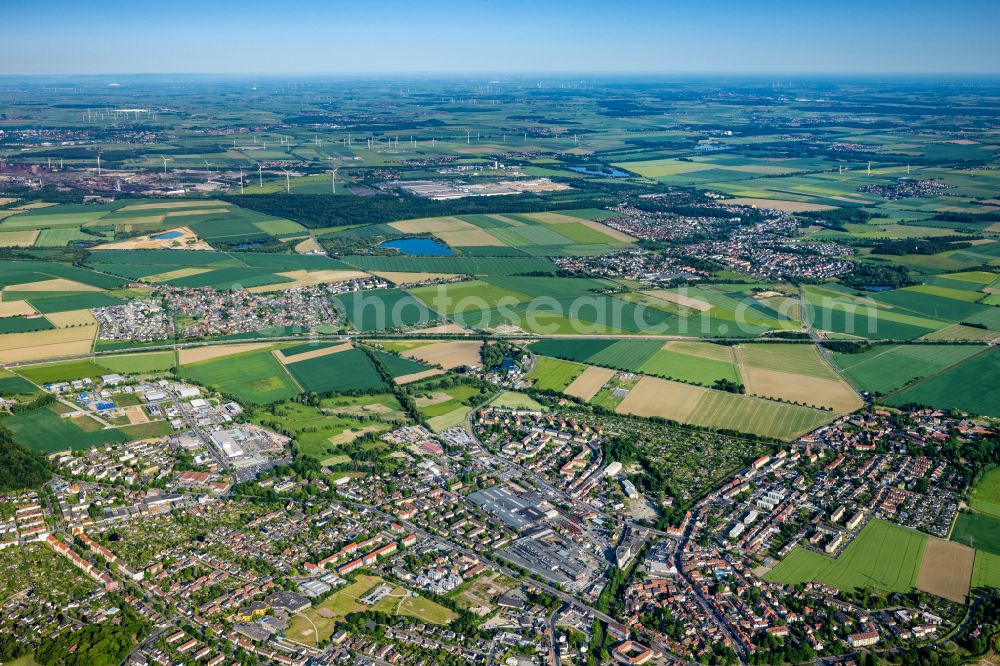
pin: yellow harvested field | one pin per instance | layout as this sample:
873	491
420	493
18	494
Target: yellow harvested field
304	278
348	436
443	328
23	238
708	350
316	353
469	237
448	354
308	246
946	569
778	204
417	376
7	200
413	278
55	284
172	204
176	275
135	414
71	318
589	382
53	343
556	218
197	354
431	225
815	391
508	220
16	309
680	298
188	240
659	397
960	332
35	205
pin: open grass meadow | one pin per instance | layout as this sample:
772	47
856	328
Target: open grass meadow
883	555
256	377
318	432
980	531
66	371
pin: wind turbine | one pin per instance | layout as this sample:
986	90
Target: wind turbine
241	180
869	167
333	179
208	171
165	158
98	164
260	174
288	182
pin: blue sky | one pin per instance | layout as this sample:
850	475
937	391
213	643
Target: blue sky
365	36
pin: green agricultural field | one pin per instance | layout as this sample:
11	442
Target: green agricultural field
399	366
81	301
341	371
50	373
44	430
256	377
383	309
883	556
986	571
24	324
138	364
11	385
689	368
799	359
885	368
986	494
570	350
959	387
740	413
553	374
979	531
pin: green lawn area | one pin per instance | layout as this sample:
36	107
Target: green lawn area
884	556
554	374
979	531
313	428
321	620
255	377
445	407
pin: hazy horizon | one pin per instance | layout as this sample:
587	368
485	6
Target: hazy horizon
310	37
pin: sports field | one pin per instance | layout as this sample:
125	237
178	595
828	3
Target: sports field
883	555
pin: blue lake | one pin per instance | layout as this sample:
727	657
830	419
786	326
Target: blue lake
610	173
427	247
167	235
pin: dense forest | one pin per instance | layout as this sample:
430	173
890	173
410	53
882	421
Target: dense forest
21	468
327	210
